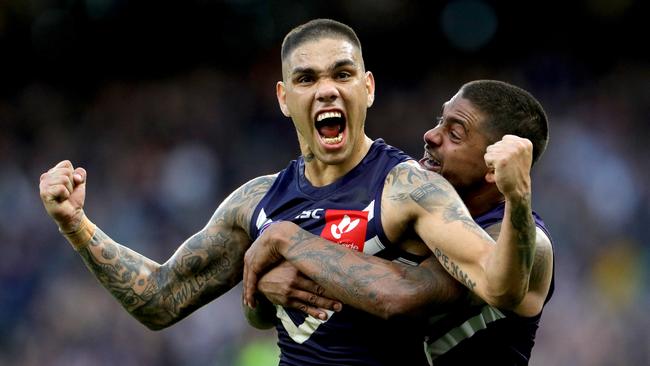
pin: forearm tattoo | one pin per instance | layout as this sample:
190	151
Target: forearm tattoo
204	267
454	269
336	268
524	226
364	281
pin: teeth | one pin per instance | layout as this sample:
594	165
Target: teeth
333	140
322	116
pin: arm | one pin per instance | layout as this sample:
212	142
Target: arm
499	274
540	274
377	286
204	267
284	285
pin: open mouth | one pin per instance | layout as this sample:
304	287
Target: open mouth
330	126
430	163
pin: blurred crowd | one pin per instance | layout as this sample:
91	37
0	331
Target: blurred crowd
161	153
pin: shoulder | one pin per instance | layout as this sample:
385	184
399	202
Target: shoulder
409	182
240	204
260	185
409	174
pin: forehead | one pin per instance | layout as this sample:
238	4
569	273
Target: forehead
462	110
321	53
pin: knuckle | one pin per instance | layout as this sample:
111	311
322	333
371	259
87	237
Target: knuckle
320	290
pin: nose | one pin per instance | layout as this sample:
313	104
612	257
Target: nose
327	91
433	137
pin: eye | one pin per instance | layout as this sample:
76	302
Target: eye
304	79
343	75
454	135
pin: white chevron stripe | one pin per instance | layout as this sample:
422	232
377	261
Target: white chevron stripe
302	332
261	219
373	245
371	210
448	341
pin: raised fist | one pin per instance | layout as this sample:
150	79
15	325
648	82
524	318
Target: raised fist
510	161
63	191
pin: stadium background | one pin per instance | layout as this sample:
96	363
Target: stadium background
171	105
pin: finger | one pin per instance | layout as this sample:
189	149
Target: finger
250	285
63	180
245	283
489	160
308	309
61	164
64	163
315	300
57	193
312	293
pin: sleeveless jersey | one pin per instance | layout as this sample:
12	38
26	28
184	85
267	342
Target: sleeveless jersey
346	212
482	334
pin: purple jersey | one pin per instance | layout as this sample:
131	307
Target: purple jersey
483	334
346	212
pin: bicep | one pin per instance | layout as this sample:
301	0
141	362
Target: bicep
424	201
212	261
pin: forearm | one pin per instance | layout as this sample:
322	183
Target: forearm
509	265
133	279
374	285
160	295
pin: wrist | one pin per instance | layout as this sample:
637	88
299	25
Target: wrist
80	236
519	194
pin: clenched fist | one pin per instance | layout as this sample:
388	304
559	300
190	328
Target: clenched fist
63	191
510	161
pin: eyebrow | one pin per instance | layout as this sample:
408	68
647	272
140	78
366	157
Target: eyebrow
310	71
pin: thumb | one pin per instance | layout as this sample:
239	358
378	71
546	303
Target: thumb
489	176
79	176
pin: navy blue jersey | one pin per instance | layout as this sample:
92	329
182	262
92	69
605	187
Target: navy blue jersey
482	334
346	212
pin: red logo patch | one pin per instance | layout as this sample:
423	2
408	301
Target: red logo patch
346	227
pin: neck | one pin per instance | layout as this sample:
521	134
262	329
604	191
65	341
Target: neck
482	199
320	174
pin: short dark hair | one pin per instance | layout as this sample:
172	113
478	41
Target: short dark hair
509	109
314	30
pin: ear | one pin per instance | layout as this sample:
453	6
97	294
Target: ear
370	88
281	94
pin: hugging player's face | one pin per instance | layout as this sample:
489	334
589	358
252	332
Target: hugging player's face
455	147
326	92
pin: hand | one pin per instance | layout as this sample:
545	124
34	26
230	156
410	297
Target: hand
63	191
510	161
262	254
284	285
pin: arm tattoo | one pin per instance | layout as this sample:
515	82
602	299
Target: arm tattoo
524	226
454	269
204	267
332	267
543	254
431	192
375	285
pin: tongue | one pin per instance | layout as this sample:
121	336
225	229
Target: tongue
329	131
